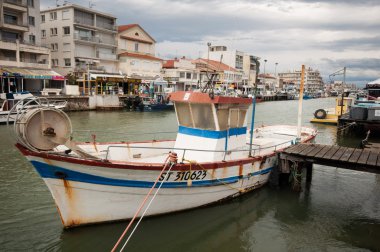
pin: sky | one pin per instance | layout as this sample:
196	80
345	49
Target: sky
324	35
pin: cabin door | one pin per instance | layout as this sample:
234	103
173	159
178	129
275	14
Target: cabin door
233	119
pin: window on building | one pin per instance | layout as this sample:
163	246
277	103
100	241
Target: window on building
32	39
181	74
43	33
68	62
53	15
136	47
188	75
54	46
42	18
32	20
195	76
66	30
54	62
31	3
53	31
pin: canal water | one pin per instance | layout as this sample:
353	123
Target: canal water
339	211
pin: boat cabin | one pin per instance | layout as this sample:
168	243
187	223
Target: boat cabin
342	107
215	125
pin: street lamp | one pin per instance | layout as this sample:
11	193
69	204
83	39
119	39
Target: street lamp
275	69
265	62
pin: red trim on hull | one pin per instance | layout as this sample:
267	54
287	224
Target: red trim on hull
141	166
134	166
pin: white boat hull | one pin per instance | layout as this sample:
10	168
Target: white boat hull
107	198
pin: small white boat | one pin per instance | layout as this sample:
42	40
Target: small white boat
94	182
28	101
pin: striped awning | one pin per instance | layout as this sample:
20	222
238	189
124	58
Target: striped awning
31	73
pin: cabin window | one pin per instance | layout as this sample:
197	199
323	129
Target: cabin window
242	114
183	114
223	118
231	118
234	118
203	116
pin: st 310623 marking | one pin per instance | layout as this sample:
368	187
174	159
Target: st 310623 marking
183	175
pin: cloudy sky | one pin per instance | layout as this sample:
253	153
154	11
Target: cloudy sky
325	35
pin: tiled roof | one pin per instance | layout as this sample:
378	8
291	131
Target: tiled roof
267	76
140	56
122	28
136	39
169	63
214	65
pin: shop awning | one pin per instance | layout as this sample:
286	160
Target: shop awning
33	73
106	76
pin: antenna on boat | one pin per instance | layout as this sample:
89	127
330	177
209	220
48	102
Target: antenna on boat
340	72
300	105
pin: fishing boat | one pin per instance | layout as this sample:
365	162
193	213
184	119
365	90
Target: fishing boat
213	158
28	101
331	115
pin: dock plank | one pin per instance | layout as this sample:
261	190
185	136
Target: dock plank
302	147
339	153
317	148
293	149
363	157
331	152
324	150
307	150
355	156
372	158
347	154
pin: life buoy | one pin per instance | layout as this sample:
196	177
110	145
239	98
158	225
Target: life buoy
320	114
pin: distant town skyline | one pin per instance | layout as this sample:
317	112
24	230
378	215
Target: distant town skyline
324	35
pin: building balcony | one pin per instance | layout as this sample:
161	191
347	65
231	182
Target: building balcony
106	56
85	55
107	27
90	39
17	26
8	44
18	5
35	64
85	68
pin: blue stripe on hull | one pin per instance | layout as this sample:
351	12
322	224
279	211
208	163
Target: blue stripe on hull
55	172
212	133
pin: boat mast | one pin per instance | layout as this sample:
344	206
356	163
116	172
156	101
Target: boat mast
300	105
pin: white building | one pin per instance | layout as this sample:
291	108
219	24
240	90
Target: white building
238	60
137	60
21	51
312	81
81	39
181	74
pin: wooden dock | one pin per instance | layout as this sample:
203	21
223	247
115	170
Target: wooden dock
367	159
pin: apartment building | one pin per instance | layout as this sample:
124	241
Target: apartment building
243	62
137	60
181	74
312	81
81	40
24	61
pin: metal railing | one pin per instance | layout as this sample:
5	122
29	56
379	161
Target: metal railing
92	39
256	151
85	135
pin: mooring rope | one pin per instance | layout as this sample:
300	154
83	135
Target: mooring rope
346	126
141	205
146	209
